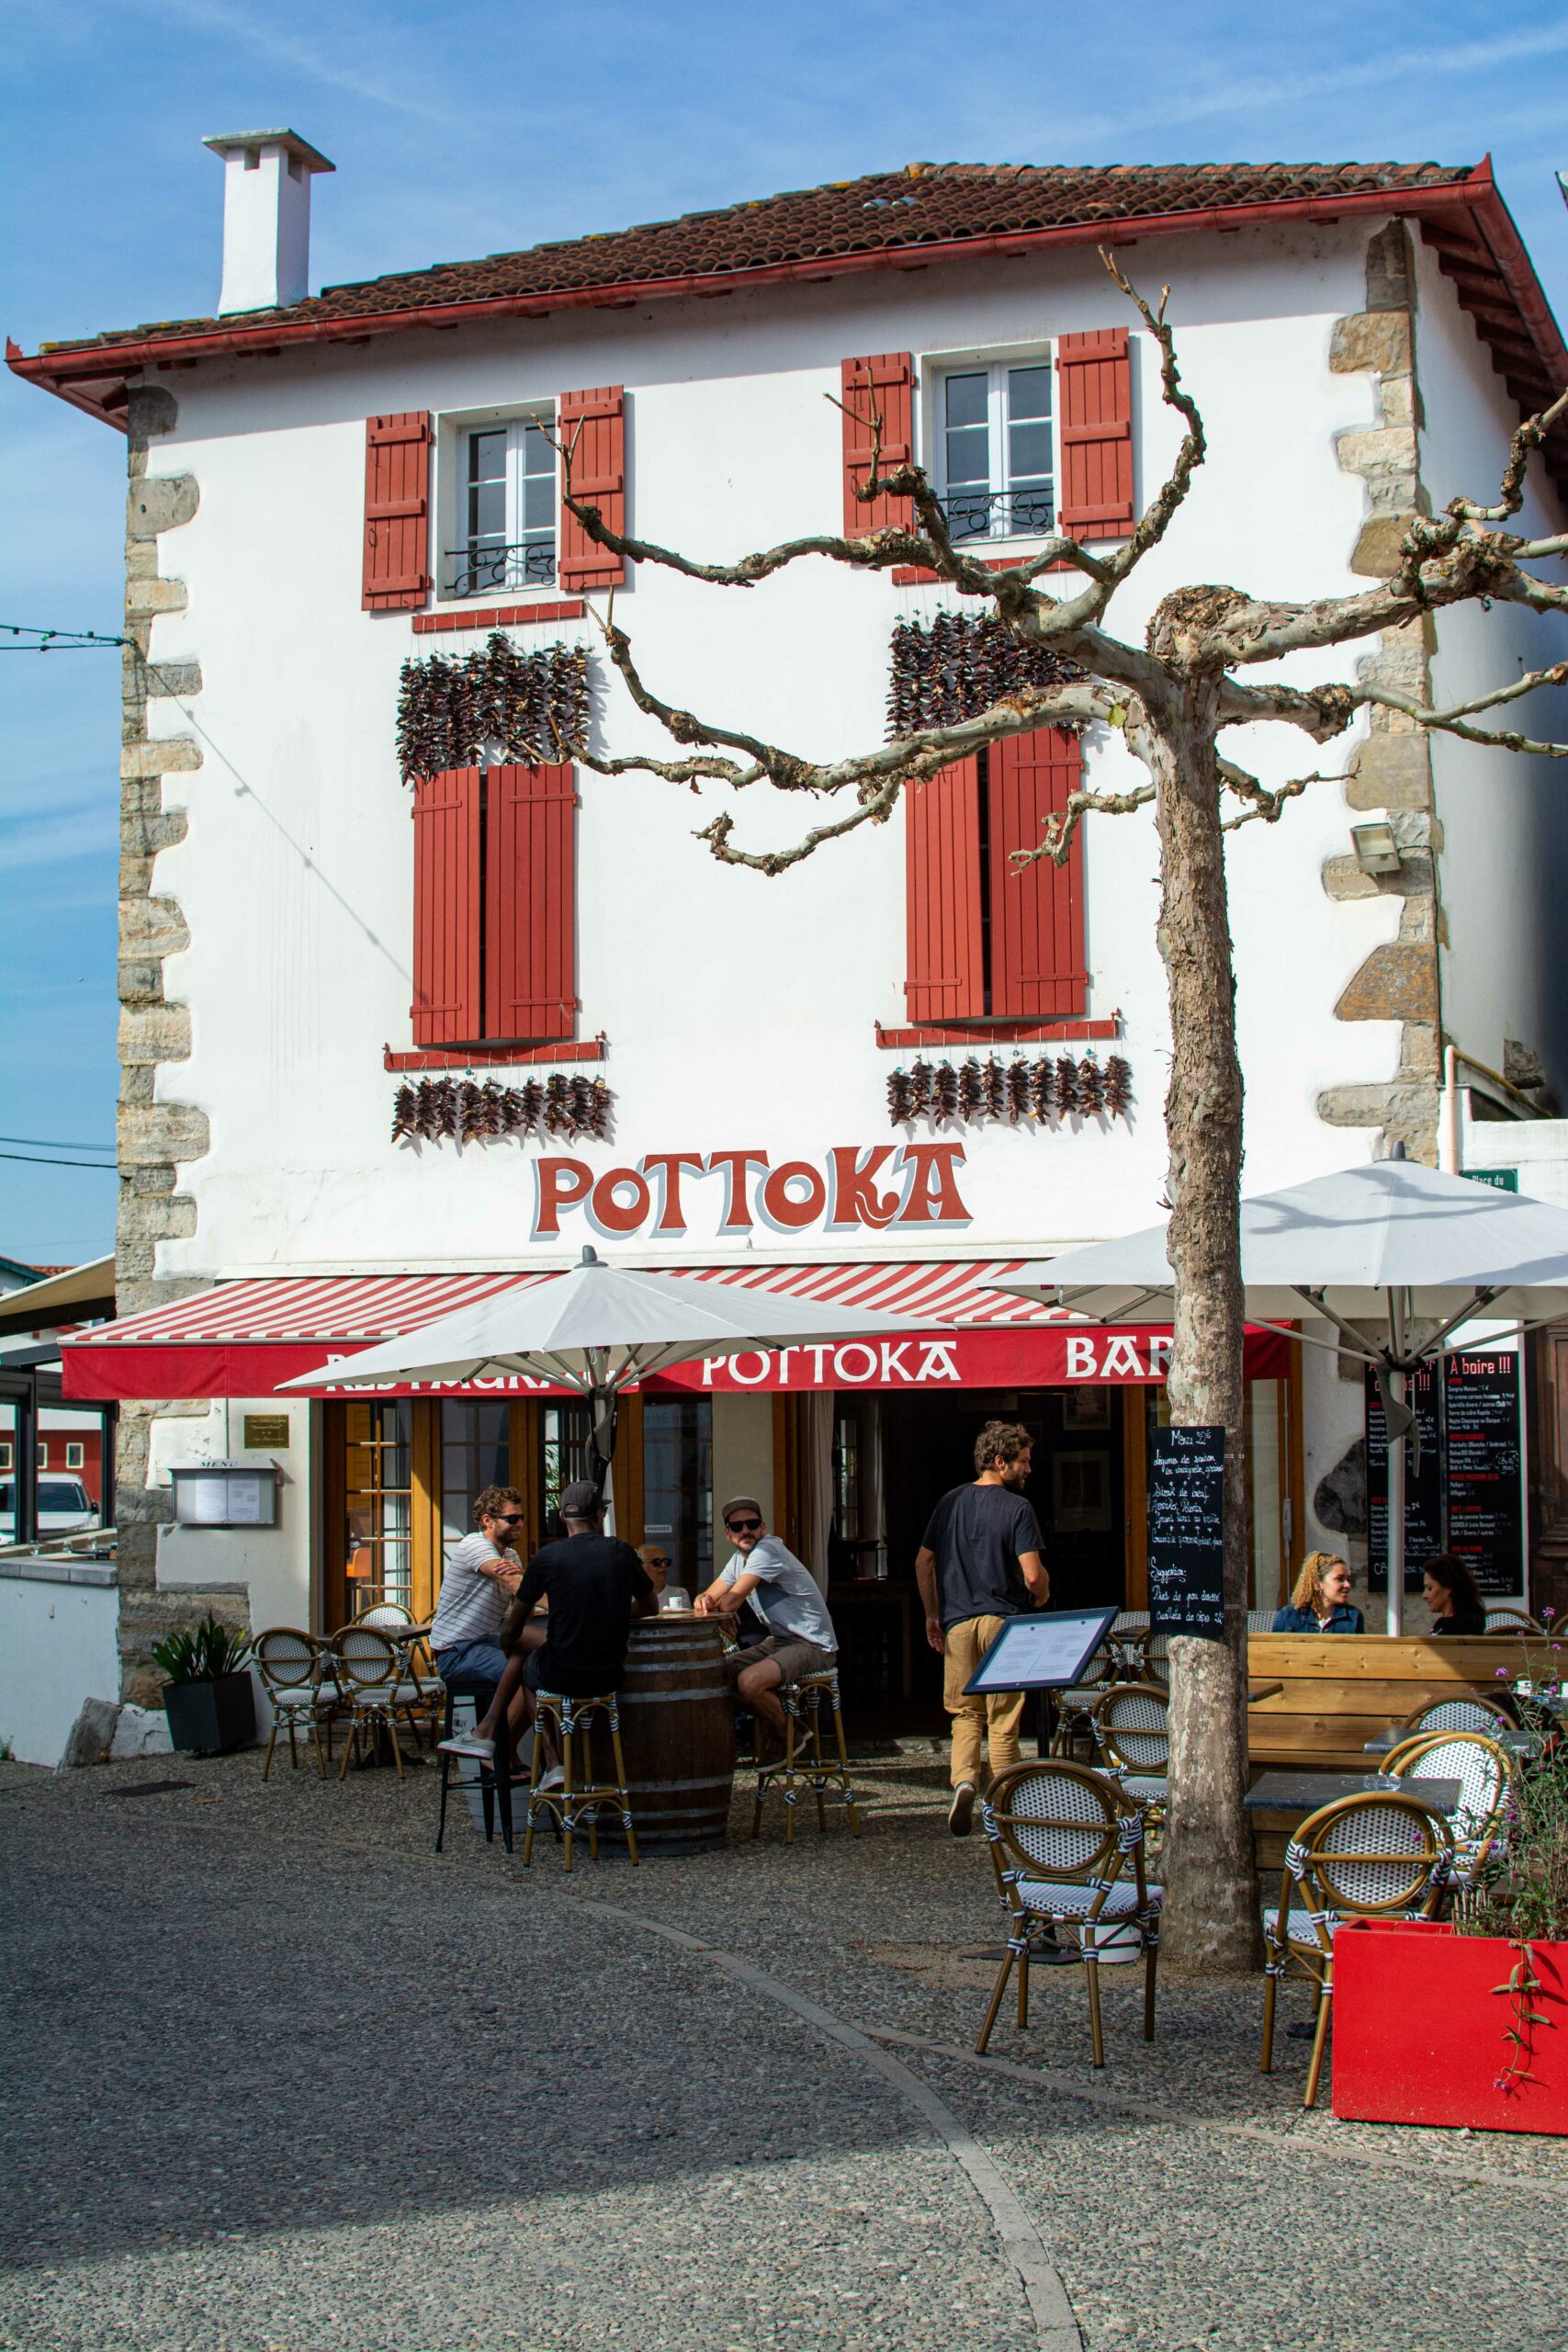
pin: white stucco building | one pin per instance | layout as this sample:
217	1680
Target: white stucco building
325	489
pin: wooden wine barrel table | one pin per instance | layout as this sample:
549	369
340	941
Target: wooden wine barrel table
677	1734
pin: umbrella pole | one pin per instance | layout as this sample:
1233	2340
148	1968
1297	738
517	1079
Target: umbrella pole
1398	1321
1397	1516
603	1404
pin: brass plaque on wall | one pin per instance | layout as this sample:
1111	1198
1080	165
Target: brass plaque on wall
266	1429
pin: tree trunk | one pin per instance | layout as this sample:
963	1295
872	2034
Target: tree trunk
1211	1916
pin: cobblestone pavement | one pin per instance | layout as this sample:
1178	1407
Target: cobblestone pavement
281	2079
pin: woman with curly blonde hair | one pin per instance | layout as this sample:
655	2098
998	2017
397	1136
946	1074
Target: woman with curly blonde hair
1320	1600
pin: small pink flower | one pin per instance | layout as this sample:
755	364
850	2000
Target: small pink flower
1548	1613
1502	1674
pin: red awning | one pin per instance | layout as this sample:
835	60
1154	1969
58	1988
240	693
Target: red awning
244	1338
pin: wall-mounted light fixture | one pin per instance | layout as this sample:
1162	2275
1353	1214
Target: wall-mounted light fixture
225	1494
1377	852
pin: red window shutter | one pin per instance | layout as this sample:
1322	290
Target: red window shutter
946	953
530	903
1037	943
1095	382
397	511
884	384
593	426
446	908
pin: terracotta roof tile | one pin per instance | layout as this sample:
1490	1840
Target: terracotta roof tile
923	204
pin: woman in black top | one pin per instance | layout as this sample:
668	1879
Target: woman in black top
1450	1591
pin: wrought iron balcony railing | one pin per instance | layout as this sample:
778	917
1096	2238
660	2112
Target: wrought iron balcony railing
999	514
484	566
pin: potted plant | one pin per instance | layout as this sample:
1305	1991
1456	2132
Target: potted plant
209	1698
1464	2021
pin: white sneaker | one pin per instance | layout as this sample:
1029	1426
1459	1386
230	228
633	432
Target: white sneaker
554	1779
468	1743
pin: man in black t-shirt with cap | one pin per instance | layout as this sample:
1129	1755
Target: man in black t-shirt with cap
594	1586
980	1565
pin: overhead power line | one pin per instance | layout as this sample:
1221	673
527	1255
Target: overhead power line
55	1143
53	640
43	1159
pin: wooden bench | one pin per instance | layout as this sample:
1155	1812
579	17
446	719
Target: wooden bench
1337	1691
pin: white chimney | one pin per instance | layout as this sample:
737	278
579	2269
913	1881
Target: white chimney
267	217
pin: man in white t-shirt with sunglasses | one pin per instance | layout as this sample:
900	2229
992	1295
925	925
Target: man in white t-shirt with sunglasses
800	1637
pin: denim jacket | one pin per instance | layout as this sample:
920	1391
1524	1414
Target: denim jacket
1344	1620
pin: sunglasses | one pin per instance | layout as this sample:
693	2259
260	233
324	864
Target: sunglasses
510	1518
743	1526
657	1560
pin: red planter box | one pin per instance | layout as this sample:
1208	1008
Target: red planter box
1420	2033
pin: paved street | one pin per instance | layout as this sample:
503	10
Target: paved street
281	2079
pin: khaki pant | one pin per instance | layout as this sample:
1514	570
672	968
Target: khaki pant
993	1718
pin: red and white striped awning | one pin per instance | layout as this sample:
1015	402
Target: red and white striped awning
244	1338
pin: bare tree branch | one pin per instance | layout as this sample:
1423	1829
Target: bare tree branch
1530	437
1266	805
1451	721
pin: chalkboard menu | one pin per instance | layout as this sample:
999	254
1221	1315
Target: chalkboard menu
1187	1532
1423	1488
1468	1495
1485	1496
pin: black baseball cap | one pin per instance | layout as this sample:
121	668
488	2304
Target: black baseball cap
581	1500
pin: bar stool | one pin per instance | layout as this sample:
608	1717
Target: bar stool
803	1702
458	1714
569	1807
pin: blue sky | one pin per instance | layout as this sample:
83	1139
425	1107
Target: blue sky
474	129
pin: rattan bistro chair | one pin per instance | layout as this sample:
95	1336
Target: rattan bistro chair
1075	1707
1514	1621
290	1663
1472	1713
391	1617
1062	1838
376	1689
1368	1856
1485	1774
1131	1731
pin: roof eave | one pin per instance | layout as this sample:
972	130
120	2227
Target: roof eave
84	364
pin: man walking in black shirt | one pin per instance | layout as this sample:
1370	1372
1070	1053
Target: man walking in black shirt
979	1565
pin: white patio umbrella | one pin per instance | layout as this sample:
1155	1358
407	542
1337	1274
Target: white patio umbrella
1390	1241
598	1329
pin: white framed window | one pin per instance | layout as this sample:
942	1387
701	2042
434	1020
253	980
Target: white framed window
994	458
76	1455
5	1462
506	507
42	1453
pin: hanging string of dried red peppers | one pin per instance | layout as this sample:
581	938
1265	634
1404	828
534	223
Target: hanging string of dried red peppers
958	665
1013	1092
466	1110
453	707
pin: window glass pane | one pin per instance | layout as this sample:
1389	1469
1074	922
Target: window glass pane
539	503
485	517
378	1459
677	1485
487	457
539	458
487	511
1029	392
475	1453
567	1431
967	399
1028	452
